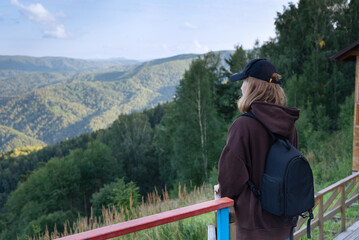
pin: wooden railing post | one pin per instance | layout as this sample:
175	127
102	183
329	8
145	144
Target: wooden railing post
223	224
342	195
342	207
321	218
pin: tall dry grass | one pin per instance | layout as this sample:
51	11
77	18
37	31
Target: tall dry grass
192	228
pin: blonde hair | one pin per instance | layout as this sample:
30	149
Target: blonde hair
259	90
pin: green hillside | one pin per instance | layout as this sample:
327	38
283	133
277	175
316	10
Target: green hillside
10	139
53	106
27	82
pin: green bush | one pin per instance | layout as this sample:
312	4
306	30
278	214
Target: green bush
116	194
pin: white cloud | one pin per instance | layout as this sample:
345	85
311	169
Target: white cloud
189	25
200	47
37	13
57	32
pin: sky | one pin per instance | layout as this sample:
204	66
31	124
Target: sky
133	29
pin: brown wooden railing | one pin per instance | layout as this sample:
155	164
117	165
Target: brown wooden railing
341	195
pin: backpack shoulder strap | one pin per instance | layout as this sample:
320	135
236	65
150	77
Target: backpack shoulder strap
251	185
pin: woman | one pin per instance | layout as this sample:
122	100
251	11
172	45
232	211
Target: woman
248	142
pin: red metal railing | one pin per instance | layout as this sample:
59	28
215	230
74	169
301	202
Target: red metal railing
135	225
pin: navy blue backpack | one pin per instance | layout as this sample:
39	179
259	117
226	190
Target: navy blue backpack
287	183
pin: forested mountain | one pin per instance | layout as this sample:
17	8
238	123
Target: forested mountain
52	106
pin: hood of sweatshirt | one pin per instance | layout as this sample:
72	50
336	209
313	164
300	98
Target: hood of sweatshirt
278	119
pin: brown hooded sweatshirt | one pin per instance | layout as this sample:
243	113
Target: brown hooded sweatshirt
244	157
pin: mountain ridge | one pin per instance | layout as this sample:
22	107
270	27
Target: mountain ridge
50	64
53	106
